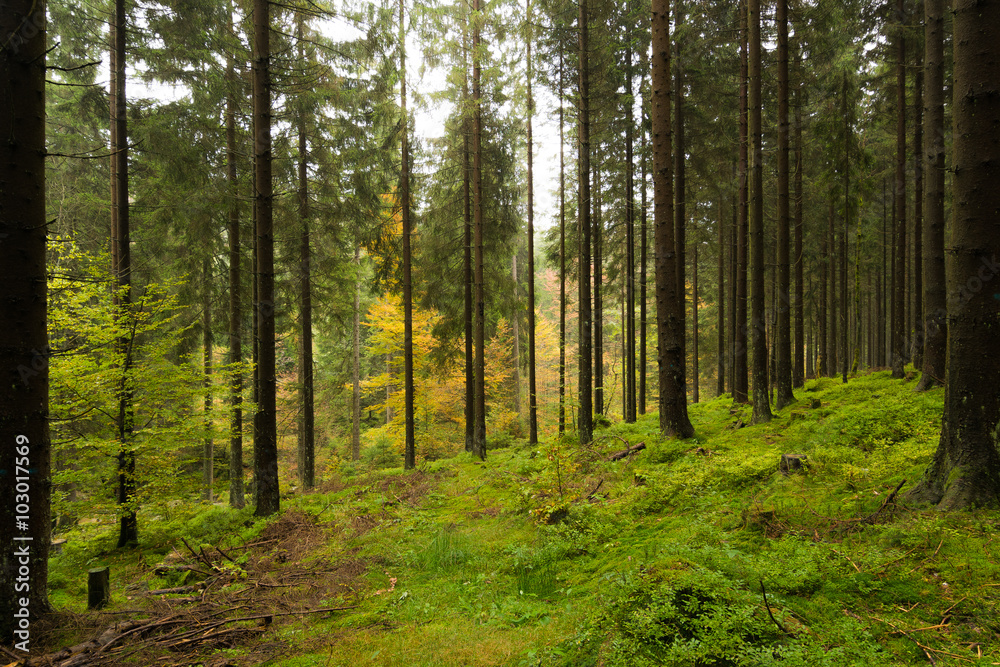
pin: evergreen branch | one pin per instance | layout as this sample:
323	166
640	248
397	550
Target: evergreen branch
72	69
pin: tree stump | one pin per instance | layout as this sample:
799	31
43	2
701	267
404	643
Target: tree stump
790	463
98	587
815	403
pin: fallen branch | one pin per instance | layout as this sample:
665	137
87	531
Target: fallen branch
618	456
768	607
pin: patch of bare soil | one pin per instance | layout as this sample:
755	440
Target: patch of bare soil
232	597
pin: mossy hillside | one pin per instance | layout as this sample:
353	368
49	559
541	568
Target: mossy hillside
695	552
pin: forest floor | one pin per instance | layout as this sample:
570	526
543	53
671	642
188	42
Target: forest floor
693	552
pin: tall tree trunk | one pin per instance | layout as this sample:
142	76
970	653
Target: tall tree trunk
628	398
643	245
845	320
516	352
409	455
965	470
899	292
479	430
674	419
356	360
236	489
831	367
783	338
208	447
128	530
824	355
467	263
25	452
731	351
741	385
694	325
562	255
598	239
307	473
585	425
265	446
720	386
532	394
934	293
680	182
798	351
917	349
761	406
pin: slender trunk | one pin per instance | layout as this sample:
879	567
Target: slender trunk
643	245
965	470
761	406
25	452
731	351
628	398
844	318
783	333
470	373
824	357
831	367
694	325
236	490
562	256
585	425
798	352
532	394
208	448
598	239
674	419
917	349
356	361
934	306
720	386
128	531
307	473
899	293
265	446
680	184
479	430
409	452
516	352
741	386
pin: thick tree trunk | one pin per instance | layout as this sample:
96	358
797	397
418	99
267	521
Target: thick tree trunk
832	344
844	313
479	402
965	470
824	357
669	304
741	384
25	451
265	446
934	294
899	292
798	352
236	490
409	451
694	326
680	183
585	425
783	339
761	406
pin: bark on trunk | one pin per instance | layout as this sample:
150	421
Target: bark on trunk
761	406
899	292
934	294
783	342
532	395
25	452
479	402
265	446
307	473
584	427
965	470
669	304
741	384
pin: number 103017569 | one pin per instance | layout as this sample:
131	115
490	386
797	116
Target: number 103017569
22	468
